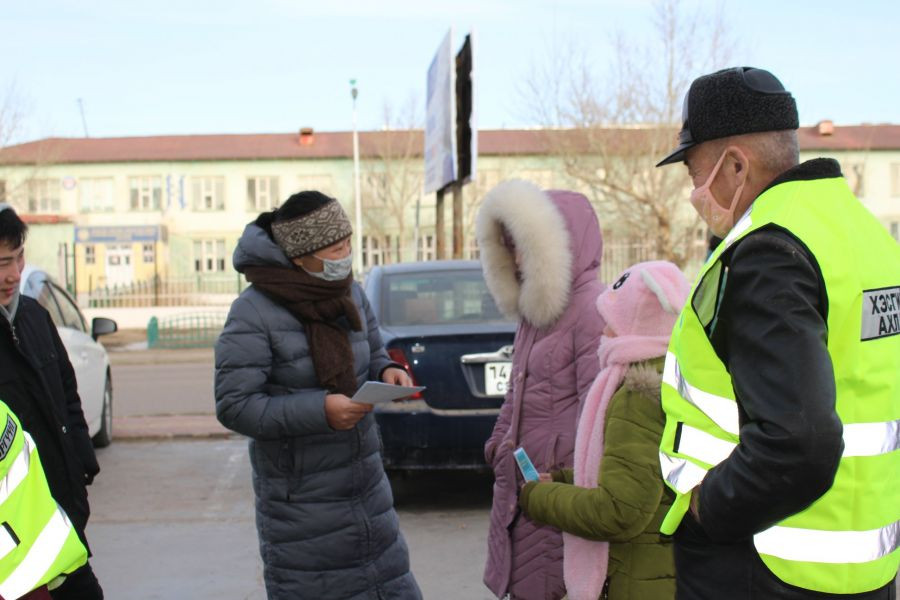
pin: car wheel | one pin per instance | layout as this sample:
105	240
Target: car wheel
104	436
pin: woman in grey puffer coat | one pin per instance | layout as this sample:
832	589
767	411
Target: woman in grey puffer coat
296	345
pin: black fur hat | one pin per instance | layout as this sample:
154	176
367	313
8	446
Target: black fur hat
730	102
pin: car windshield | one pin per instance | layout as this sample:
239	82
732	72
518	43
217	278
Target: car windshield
439	297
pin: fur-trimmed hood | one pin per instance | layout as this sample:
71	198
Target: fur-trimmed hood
645	378
558	236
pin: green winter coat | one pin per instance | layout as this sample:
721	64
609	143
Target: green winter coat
630	500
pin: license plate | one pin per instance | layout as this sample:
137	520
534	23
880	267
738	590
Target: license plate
496	378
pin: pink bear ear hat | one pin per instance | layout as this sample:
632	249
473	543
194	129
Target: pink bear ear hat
640	309
645	300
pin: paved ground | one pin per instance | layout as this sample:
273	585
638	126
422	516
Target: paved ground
163	393
174	519
172	509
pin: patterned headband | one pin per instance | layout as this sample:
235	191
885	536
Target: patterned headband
313	231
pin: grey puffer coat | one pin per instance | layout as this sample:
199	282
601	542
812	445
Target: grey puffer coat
324	510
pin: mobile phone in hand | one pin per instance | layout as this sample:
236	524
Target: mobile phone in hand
525	465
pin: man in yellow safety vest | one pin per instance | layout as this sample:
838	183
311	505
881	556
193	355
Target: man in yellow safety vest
782	380
38	543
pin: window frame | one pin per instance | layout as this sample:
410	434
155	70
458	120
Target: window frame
89	205
211	257
40	199
256	194
145	193
208	193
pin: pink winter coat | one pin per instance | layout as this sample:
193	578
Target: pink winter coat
554	363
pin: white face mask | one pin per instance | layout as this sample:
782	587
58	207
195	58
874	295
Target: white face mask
334	270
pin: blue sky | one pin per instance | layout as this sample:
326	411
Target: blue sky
204	66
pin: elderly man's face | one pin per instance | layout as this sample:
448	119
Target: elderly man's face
12	262
700	163
718	175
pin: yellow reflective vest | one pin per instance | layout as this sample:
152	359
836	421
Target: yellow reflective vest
847	541
37	541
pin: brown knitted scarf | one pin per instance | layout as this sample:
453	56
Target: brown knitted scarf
319	306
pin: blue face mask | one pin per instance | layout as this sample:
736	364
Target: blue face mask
334	270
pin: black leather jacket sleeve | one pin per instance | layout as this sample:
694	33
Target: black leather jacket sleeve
771	333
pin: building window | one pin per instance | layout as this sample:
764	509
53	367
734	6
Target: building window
90	255
319	183
209	256
895	230
372	251
208	193
96	194
262	193
43	196
145	192
2	190
147	251
427	248
855	174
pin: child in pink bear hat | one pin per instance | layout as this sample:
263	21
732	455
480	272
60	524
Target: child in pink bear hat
611	504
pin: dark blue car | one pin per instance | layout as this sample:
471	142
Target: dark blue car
440	322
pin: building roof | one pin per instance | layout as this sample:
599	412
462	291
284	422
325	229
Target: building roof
339	144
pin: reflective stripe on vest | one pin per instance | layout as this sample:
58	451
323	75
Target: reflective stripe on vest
680	473
722	411
848	540
40	557
38	542
815	545
18	470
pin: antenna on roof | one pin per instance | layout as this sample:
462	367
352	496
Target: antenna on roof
83	120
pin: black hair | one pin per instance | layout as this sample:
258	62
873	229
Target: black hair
13	230
299	204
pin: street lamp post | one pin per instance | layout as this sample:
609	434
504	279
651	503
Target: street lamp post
357	201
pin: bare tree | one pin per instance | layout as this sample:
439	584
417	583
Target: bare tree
20	164
11	116
392	175
610	125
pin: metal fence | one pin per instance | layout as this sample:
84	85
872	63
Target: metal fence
188	330
618	255
221	290
186	291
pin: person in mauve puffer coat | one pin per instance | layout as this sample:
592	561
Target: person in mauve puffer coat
541	253
610	506
296	345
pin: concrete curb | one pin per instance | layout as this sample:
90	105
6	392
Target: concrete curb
168	427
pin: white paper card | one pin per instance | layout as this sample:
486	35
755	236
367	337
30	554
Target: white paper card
374	392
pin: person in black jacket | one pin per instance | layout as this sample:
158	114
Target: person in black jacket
38	383
739	139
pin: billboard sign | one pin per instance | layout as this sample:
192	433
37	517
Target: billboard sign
440	119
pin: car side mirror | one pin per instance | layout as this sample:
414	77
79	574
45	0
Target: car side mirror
102	326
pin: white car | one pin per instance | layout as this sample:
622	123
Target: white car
87	355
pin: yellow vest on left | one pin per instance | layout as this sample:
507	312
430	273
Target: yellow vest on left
38	543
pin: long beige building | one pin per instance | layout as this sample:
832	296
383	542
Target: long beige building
110	212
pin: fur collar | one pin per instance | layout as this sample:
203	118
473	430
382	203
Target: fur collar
644	378
539	231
